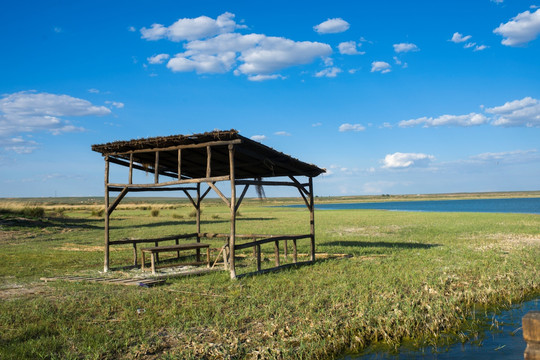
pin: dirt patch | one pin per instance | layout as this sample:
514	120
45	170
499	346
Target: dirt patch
15	291
505	242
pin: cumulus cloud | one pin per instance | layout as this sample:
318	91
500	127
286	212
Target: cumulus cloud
522	29
329	72
258	137
30	111
405	47
406	160
192	29
158	59
380	66
350	48
459	38
256	54
524	112
351	127
480	47
332	26
116	104
472	119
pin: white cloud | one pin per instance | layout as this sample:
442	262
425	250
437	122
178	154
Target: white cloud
524	112
258	137
480	47
469	45
93	91
332	26
350	48
329	72
472	119
116	104
381	66
30	111
497	1
265	77
405	47
18	145
192	29
158	59
132	29
282	133
213	47
405	160
459	38
521	29
351	127
506	156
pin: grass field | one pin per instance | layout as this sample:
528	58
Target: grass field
412	276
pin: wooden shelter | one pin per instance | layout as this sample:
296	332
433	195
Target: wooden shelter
184	162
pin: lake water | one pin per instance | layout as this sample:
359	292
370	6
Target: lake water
512	205
502	340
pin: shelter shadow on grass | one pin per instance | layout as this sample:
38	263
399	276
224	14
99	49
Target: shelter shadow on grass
51	222
385	244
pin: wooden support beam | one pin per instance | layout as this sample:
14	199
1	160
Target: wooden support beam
175	182
312	219
119	198
208	161
134	189
191	199
266	183
220	194
130	180
300	186
205	193
186	146
156	168
239	202
271	239
232	206
179	164
106	255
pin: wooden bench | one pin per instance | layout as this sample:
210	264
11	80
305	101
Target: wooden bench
174	248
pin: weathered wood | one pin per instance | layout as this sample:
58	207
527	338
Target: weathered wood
179	164
258	249
150	240
223	197
175	182
156	168
130	178
276	252
177	147
205	193
232	239
300	186
312	219
139	167
154	251
191	199
107	215
239	201
116	201
270	239
134	254
265	183
531	334
208	161
133	189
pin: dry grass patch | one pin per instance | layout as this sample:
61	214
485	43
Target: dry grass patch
504	242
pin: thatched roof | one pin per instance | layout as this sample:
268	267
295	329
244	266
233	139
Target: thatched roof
252	159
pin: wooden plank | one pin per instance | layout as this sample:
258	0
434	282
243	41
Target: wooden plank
175	182
267	240
177	147
220	194
119	198
132	189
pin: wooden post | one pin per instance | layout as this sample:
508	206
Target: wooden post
531	334
198	218
258	250
208	161
179	164
130	180
106	260
232	238
312	218
276	252
135	254
156	169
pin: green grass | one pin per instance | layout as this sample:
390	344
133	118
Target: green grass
412	277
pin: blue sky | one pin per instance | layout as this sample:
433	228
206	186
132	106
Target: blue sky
391	97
